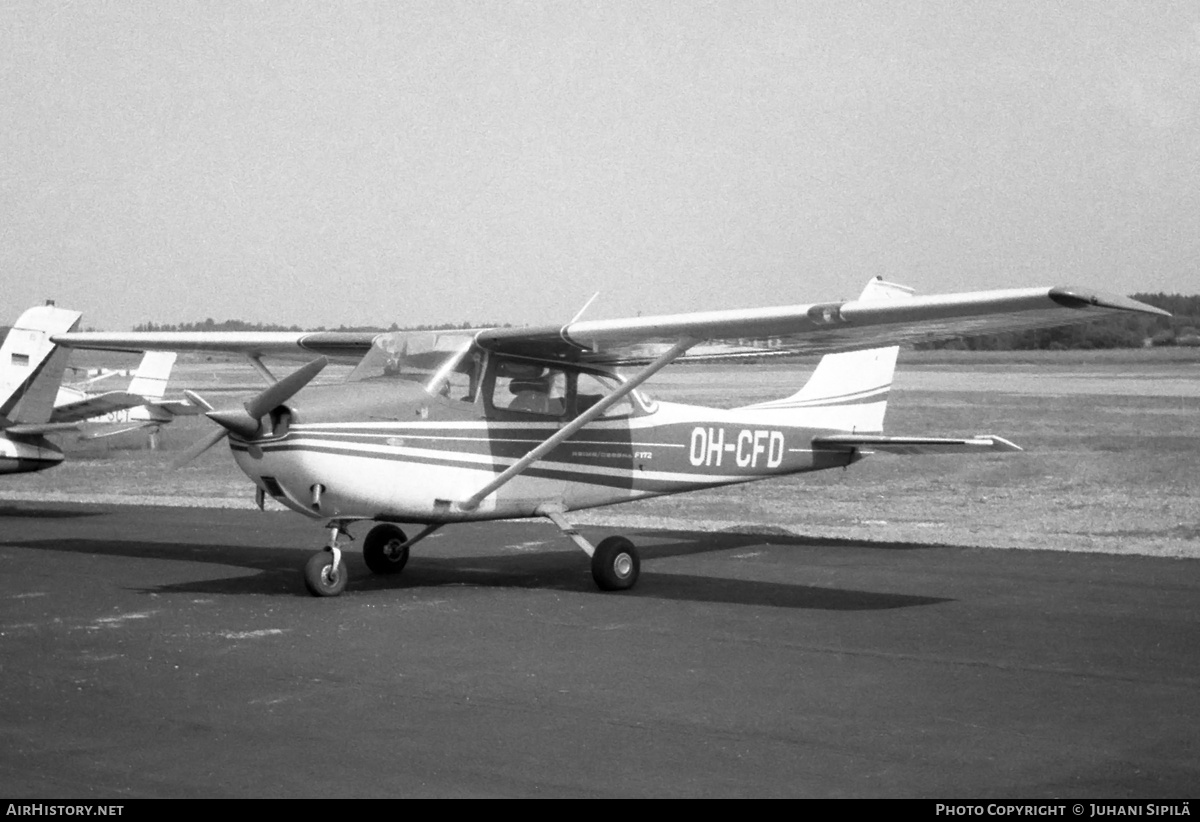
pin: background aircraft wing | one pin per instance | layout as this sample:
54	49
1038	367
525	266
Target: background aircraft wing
101	430
95	405
818	328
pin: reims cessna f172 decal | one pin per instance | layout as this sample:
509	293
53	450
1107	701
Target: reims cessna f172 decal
434	428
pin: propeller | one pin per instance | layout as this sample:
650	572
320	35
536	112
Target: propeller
246	421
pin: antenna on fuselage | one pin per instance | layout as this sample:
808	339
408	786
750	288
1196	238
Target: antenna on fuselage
586	306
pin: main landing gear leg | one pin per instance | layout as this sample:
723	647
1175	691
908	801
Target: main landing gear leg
615	561
325	574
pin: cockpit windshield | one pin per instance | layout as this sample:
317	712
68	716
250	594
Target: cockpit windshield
441	361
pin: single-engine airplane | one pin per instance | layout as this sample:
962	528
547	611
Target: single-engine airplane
434	428
141	405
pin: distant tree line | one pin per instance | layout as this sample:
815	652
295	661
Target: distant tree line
1128	331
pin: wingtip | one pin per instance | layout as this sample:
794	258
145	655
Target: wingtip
1075	297
1001	444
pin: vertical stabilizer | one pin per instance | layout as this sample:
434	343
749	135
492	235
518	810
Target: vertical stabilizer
31	366
150	380
847	391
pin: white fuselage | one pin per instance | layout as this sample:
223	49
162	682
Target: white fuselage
421	471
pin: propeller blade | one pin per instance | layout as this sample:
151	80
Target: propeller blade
245	422
199	448
285	389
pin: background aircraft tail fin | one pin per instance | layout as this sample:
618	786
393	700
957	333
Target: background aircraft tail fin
847	391
150	380
31	366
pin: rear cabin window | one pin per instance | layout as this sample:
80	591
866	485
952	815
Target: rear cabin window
591	388
529	388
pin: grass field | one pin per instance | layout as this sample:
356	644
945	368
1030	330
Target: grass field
1112	460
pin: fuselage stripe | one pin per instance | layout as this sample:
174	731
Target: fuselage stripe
856	398
649	481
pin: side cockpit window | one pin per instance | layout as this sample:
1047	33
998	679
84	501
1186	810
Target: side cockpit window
529	388
445	364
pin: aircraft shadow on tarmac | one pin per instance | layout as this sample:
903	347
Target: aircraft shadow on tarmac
696	542
556	569
33	512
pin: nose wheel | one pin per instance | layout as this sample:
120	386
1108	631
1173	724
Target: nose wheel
385	551
325	573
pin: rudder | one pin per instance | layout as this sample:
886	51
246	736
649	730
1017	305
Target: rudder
150	380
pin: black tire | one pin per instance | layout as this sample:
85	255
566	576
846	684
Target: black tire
382	552
615	565
321	578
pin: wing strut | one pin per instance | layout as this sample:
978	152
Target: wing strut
261	368
568	431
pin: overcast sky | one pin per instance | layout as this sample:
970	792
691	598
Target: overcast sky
370	163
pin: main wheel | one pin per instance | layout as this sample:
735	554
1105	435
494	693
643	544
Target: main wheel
321	578
615	565
384	550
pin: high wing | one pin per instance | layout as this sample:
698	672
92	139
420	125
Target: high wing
819	328
338	346
815	328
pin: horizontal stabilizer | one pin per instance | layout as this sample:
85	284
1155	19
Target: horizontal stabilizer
913	445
